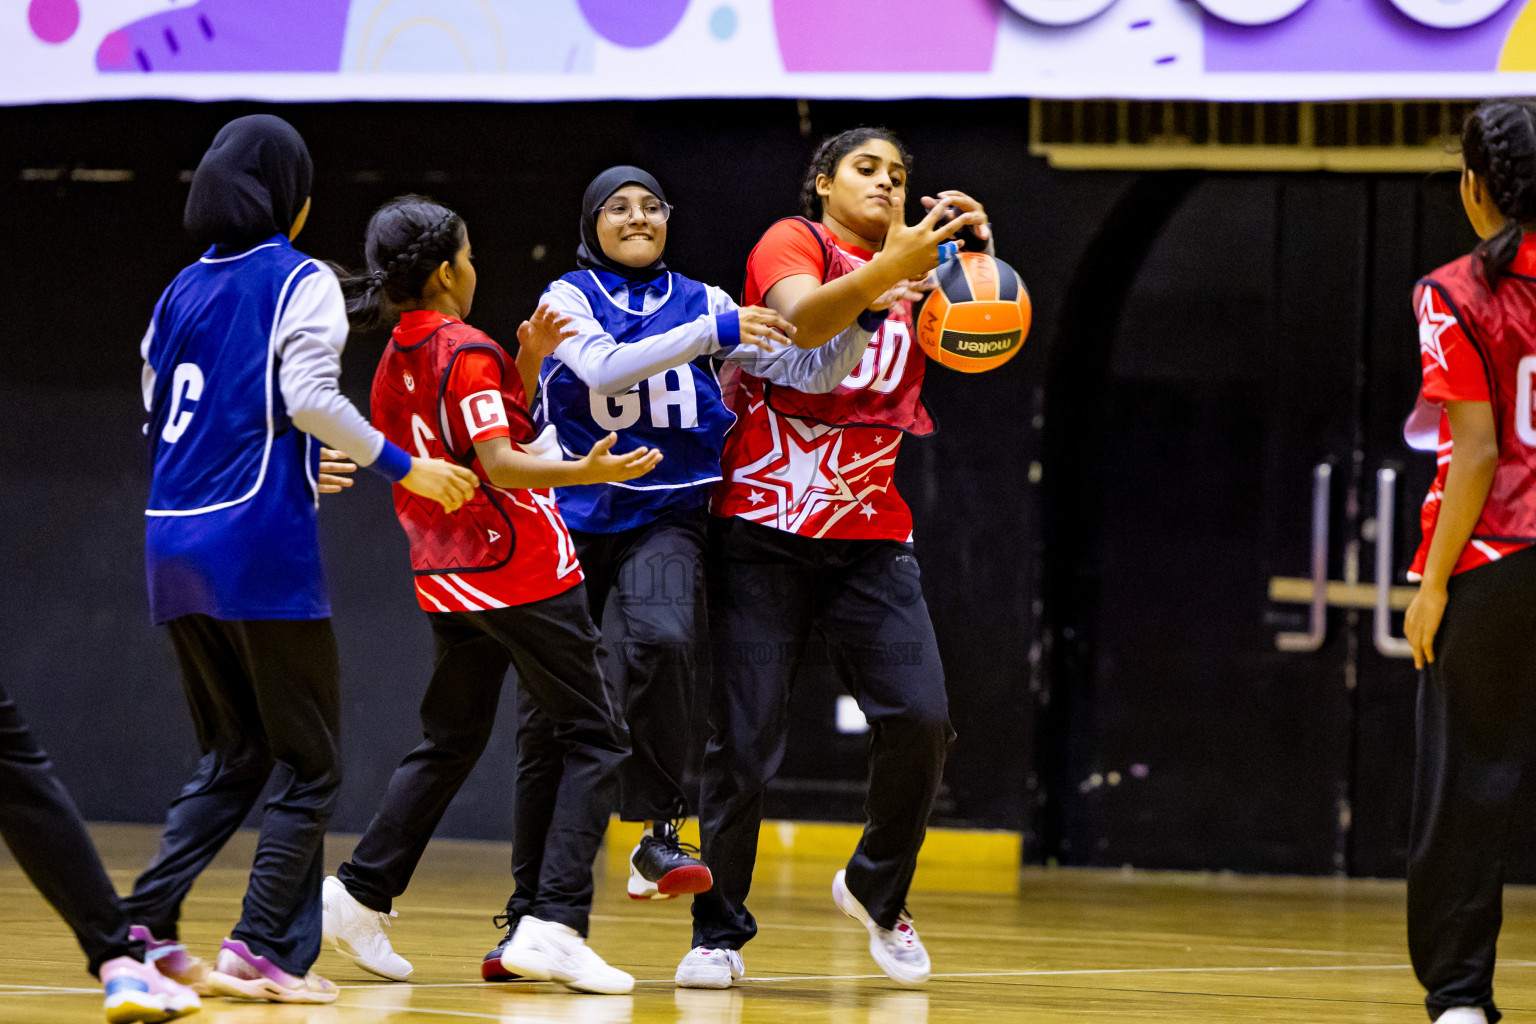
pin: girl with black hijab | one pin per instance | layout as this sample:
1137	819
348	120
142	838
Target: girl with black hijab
240	378
642	363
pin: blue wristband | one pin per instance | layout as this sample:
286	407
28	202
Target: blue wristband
393	462
728	328
871	319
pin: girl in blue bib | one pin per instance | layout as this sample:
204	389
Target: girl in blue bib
643	364
240	389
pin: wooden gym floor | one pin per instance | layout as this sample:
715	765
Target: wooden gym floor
1070	946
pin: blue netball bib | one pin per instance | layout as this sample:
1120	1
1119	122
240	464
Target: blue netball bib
678	411
231	529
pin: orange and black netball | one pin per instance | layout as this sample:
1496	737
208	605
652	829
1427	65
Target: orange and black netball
978	316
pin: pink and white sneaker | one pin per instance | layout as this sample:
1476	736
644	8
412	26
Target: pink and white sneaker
704	967
170	958
137	992
898	951
241	974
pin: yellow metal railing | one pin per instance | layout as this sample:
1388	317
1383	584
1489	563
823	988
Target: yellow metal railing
1418	136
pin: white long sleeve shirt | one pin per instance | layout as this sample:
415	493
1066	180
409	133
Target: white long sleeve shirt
310	336
611	368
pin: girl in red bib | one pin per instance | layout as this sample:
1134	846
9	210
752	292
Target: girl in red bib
810	536
1472	625
502	587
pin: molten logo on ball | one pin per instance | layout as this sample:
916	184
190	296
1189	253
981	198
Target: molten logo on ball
978	316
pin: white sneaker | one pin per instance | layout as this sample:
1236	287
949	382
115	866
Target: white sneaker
710	968
357	933
1463	1015
549	951
898	951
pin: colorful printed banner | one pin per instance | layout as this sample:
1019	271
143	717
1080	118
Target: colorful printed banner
57	50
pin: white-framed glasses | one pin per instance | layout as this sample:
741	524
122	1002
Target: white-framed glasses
622	211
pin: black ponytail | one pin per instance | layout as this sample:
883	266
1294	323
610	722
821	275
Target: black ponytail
831	152
408	238
1498	144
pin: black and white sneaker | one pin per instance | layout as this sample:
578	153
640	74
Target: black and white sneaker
490	967
662	867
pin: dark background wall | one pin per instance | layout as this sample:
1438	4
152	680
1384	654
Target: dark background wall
1224	335
1096	521
90	257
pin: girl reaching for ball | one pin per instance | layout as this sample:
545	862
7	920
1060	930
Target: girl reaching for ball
810	536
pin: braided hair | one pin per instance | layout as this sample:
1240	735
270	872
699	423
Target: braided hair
408	238
830	154
1498	143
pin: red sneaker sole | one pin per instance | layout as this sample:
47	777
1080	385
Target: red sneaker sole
685	881
491	970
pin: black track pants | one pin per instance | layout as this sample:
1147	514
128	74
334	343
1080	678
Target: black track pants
769	591
566	784
264	696
1476	727
649	578
43	829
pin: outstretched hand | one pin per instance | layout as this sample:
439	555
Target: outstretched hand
910	252
543	332
914	290
963	204
601	467
763	328
443	482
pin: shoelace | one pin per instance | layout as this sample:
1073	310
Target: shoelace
723	954
501	921
905	931
673	840
384	919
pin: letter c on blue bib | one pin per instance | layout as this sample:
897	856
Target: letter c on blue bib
186	386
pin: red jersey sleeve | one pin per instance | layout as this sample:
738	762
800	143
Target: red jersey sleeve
1453	368
788	248
473	397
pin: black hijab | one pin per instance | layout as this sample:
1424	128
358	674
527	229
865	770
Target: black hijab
250	185
589	254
